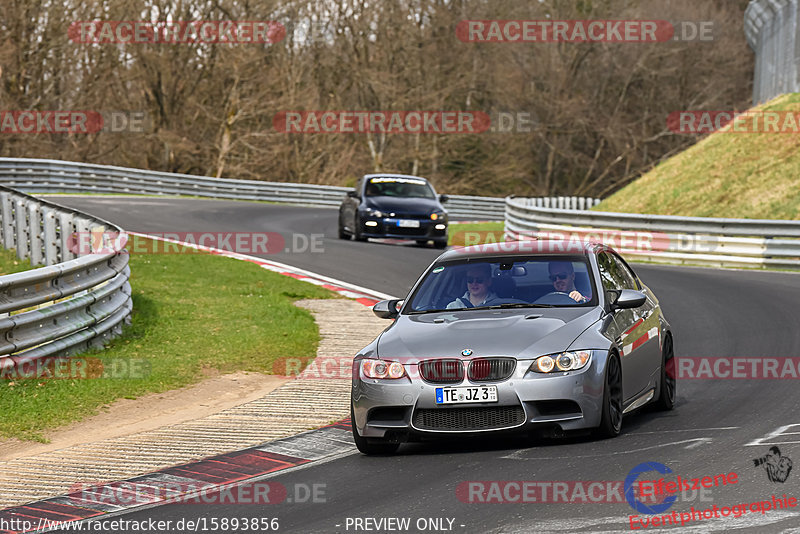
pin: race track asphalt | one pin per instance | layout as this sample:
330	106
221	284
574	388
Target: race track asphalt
714	313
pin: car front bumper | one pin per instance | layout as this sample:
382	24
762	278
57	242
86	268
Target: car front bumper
527	401
389	228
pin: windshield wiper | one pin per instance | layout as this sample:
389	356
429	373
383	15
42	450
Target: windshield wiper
492	307
512	305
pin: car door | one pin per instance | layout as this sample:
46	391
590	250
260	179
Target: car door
627	328
649	338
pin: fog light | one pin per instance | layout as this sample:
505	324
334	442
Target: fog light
370	223
440	226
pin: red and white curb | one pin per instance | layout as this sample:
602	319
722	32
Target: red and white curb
220	479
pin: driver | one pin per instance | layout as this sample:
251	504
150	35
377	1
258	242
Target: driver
562	274
479	280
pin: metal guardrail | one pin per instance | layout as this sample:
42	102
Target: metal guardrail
73	303
52	176
664	238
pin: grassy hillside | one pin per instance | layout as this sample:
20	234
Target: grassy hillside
743	175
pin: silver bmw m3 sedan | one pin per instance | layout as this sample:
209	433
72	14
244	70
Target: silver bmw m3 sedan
513	337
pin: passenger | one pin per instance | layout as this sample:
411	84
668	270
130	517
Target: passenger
562	274
479	280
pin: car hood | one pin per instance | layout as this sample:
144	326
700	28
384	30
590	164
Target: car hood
520	333
403	204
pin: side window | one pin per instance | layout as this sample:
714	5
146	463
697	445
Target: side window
626	278
606	267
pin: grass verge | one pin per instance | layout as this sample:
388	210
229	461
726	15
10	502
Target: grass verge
9	264
741	175
192	313
462	234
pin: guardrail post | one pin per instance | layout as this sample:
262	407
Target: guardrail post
35	236
50	236
66	222
7	206
23	229
83	229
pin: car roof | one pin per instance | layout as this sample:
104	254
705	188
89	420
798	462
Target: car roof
393	175
538	247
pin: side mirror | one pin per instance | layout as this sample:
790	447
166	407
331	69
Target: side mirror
628	298
352	194
387	309
443	198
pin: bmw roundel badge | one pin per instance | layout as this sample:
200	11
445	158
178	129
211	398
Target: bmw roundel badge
466	352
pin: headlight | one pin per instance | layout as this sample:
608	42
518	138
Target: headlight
563	361
438	216
382	369
374	213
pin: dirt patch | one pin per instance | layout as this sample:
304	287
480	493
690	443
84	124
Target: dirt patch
148	412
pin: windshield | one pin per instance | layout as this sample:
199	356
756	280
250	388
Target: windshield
505	283
397	187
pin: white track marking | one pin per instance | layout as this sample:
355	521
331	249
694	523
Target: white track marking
517	454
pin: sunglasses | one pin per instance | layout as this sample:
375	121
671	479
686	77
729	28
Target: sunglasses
471	280
559	276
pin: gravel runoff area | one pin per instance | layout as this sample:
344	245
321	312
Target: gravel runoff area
320	396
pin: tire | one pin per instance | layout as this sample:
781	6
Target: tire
422	242
667	386
357	230
611	419
440	244
342	233
370	446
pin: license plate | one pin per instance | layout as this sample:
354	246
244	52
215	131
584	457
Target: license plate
407	223
466	394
